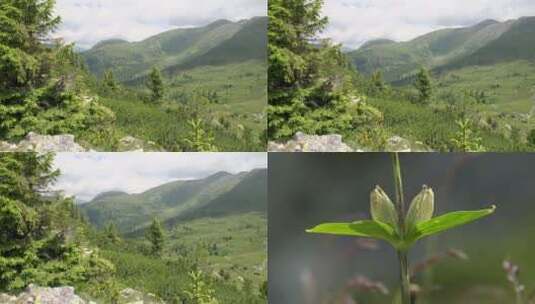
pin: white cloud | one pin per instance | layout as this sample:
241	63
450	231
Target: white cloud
87	22
353	22
85	175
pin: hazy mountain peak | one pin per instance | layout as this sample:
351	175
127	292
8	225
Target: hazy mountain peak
376	42
219	175
486	22
109	42
219	22
108	194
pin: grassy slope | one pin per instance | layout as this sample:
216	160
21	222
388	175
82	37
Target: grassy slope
516	82
243	255
433	127
168	129
238	78
241	241
242	94
491	57
241	88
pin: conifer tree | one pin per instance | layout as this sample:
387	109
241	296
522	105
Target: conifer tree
38	75
424	86
156	237
156	85
109	80
38	227
378	82
111	233
24	25
308	77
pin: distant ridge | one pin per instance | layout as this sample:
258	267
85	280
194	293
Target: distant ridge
487	42
219	194
218	43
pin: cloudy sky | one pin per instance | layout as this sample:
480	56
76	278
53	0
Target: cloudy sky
87	22
353	22
85	175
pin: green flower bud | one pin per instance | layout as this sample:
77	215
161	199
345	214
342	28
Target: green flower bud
382	208
421	209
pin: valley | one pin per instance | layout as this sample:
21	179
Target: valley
483	75
218	223
214	74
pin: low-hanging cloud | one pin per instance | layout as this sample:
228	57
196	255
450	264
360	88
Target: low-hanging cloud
87	22
85	175
353	22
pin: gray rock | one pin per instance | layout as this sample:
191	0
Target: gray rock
44	143
44	295
311	143
398	144
66	295
132	144
132	296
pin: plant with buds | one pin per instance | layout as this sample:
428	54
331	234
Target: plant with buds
390	222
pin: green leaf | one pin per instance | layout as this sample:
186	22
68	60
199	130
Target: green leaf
368	228
445	222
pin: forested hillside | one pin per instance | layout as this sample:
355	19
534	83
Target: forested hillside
219	194
477	82
218	43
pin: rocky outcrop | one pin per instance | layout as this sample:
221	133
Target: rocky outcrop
66	295
333	143
43	143
400	144
132	296
311	143
66	143
132	144
44	295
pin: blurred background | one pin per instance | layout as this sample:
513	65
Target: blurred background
463	265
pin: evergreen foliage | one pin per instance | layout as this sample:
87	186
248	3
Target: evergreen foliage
156	85
155	235
41	80
424	86
109	80
378	84
111	233
41	231
309	80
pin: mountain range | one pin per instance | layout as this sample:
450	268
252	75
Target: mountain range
218	43
217	195
486	43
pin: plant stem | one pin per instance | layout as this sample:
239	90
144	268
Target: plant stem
405	277
398	184
402	253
